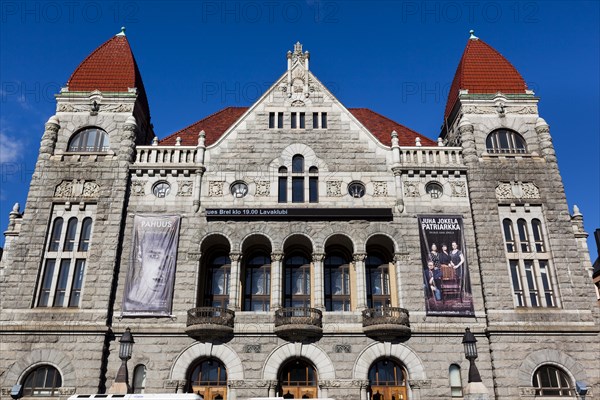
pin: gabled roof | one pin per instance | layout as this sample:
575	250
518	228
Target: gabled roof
110	68
483	70
216	124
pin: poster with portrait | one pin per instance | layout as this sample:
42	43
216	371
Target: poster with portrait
446	283
151	274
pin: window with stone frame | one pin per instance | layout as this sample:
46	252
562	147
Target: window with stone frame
43	381
505	141
90	139
551	381
65	256
528	257
299	176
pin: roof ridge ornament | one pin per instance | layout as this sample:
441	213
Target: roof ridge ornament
472	35
122	33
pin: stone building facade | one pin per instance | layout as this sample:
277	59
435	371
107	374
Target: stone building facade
287	248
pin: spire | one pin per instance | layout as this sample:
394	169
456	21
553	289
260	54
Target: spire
472	35
122	33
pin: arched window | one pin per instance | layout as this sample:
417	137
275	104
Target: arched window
378	281
509	236
86	232
297	281
299	175
89	140
216	289
298	380
387	380
42	381
257	291
455	381
505	141
139	379
536	226
523	235
337	282
298	164
298	179
55	237
549	381
208	378
71	232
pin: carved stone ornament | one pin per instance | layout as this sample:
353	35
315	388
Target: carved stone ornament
116	108
411	189
66	391
360	383
276	256
380	189
184	188
342	348
522	110
244	384
64	189
68	107
138	188
263	188
334	188
215	188
330	384
419	383
459	189
90	189
359	256
517	190
252	348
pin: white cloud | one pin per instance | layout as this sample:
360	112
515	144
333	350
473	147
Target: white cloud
10	148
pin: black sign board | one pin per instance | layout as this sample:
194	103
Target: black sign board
323	214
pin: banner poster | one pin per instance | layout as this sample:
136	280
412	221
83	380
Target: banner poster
151	274
446	283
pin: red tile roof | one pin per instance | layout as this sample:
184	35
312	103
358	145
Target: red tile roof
483	70
216	124
110	68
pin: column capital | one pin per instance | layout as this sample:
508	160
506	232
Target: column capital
318	256
235	256
277	256
359	256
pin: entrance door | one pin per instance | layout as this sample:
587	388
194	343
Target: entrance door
387	381
298	380
208	378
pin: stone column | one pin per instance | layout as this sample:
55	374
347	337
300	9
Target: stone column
127	145
467	137
234	284
200	153
49	138
276	292
361	286
318	281
546	147
400	260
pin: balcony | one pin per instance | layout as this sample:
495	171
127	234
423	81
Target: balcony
298	323
209	323
387	324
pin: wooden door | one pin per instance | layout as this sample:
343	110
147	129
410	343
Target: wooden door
211	393
297	392
388	393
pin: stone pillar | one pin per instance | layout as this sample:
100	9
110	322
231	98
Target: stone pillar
126	149
399	260
234	281
14	227
276	292
361	287
49	138
318	281
200	153
467	137
399	189
546	147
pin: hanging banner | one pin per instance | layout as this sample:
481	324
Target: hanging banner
446	283
151	274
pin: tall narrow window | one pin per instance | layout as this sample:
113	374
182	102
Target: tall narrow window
257	291
516	280
71	232
546	283
282	185
315	120
323	120
523	235
298	181
293	120
378	282
536	227
63	268
297	164
217	283
509	236
302	120
139	379
531	284
455	381
280	120
297	281
271	120
337	283
313	185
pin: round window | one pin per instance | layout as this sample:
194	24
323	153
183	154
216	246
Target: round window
356	189
434	189
161	189
239	189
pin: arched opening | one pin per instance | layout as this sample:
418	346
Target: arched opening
43	381
298	380
297	272
336	273
89	140
208	378
505	141
139	379
215	273
387	380
551	381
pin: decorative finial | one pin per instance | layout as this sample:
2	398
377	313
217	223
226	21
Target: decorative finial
201	138
155	141
418	141
440	142
576	212
298	48
472	37
122	33
178	141
16	208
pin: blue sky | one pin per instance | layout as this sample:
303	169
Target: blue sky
397	58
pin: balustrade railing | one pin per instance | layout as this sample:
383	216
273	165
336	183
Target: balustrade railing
298	316
210	315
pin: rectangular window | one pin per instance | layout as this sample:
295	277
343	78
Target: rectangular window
531	285
282	189
293	120
315	120
63	268
516	281
546	283
313	189
271	120
298	189
323	120
280	120
302	121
